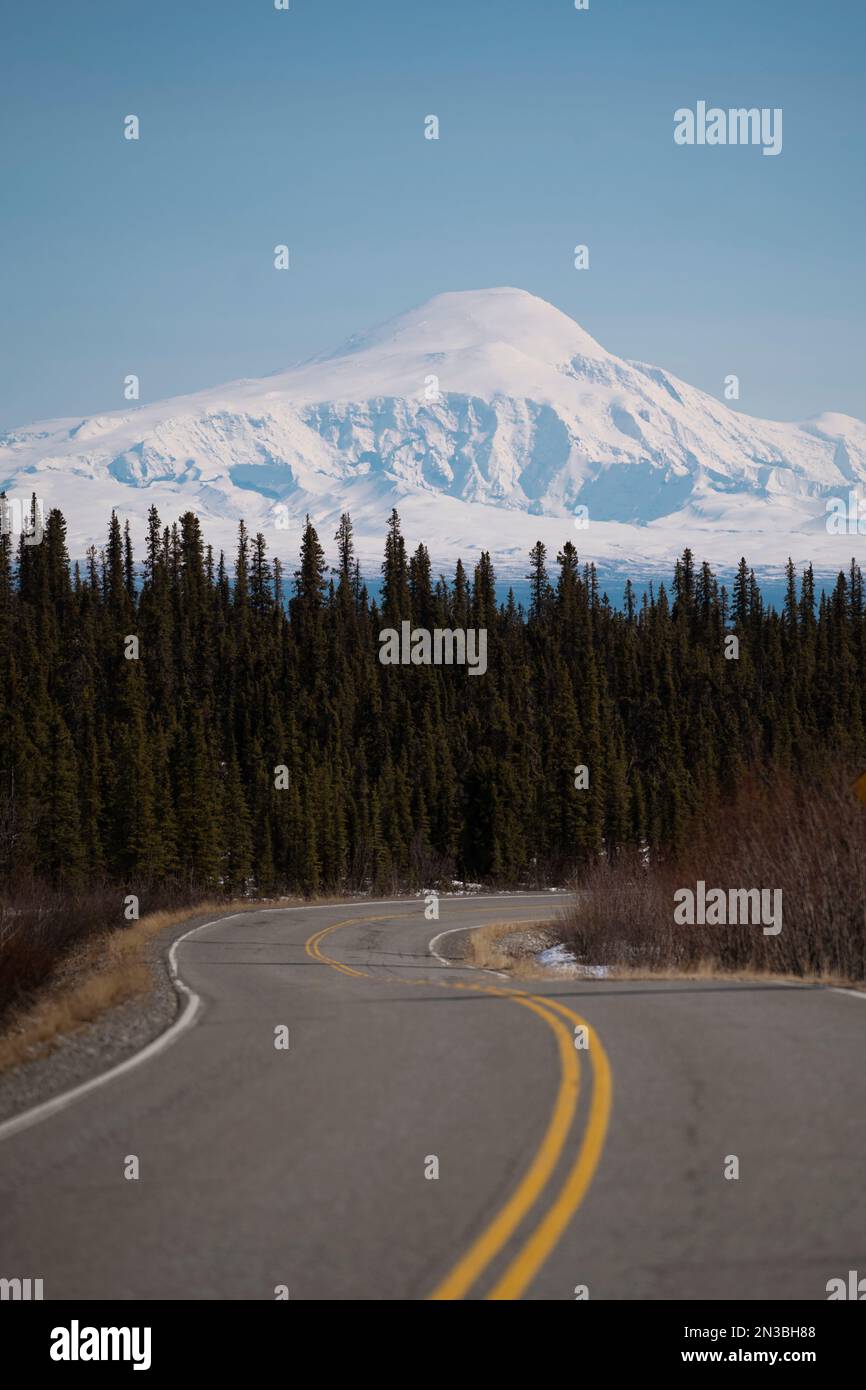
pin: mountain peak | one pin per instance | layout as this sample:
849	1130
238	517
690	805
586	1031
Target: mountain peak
462	320
487	416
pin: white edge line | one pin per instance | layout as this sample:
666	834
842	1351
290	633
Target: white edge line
186	1019
193	1005
431	947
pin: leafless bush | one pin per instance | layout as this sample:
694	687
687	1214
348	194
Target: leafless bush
40	926
805	837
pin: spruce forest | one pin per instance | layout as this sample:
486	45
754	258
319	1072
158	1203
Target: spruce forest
164	767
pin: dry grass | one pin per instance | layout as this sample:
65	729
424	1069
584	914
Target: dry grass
42	927
104	971
508	946
708	969
499	947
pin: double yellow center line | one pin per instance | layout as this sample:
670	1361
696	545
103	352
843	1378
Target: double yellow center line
536	1248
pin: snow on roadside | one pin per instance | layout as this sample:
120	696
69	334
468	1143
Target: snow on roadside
562	961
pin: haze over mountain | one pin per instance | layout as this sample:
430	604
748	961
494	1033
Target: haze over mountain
486	417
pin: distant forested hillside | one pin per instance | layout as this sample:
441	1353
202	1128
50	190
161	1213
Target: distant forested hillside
164	768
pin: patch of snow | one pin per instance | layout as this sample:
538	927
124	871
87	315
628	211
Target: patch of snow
563	960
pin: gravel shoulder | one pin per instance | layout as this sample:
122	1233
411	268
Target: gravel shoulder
96	1047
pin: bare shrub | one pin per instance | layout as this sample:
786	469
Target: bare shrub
806	837
40	926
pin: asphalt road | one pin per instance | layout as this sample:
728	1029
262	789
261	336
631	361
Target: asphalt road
558	1166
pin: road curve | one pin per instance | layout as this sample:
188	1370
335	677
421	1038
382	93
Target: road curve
560	1167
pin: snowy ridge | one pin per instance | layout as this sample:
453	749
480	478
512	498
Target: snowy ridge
486	417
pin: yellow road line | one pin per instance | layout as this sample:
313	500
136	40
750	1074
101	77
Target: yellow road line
311	946
538	1247
536	1177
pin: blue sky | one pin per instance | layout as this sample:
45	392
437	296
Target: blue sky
306	127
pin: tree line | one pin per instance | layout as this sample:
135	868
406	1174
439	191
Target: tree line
250	739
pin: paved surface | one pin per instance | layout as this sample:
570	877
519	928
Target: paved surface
558	1166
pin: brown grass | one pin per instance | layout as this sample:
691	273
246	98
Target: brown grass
42	928
103	971
497	946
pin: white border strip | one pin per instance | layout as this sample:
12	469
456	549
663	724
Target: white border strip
187	1018
460	965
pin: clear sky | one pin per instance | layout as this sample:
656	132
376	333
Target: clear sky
305	127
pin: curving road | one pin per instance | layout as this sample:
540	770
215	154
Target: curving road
558	1167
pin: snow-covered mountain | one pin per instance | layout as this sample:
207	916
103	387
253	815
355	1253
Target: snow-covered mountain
487	417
